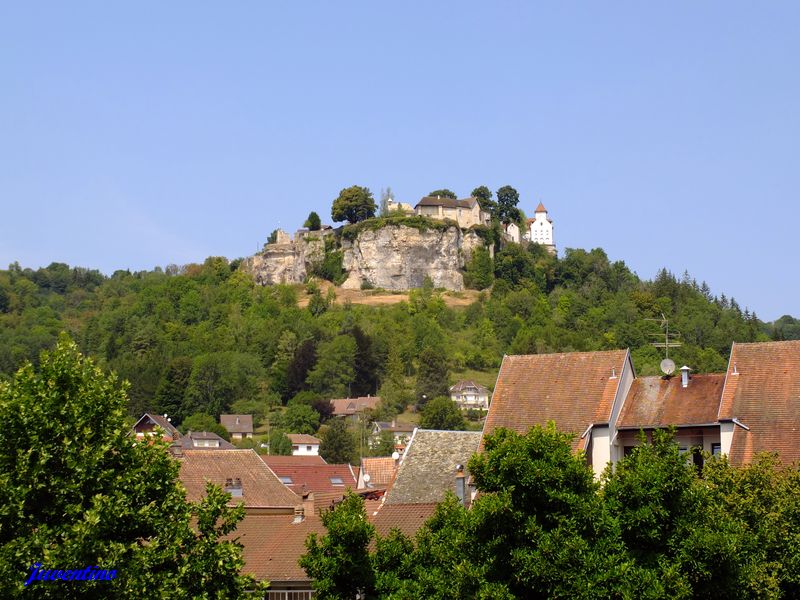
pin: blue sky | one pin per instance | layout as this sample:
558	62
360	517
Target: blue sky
155	133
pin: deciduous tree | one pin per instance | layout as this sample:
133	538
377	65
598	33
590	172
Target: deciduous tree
353	204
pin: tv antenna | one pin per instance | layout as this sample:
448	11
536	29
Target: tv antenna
670	341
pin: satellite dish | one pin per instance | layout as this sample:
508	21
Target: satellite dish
668	366
395	455
367	477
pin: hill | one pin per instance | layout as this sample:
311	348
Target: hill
207	337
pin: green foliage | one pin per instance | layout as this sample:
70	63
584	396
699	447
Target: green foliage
273	237
299	418
204	422
441	413
279	444
507	200
334	370
433	375
484	196
172	388
336	442
384	445
353	204
313	222
78	490
221	378
330	268
419	222
480	270
339	563
443	193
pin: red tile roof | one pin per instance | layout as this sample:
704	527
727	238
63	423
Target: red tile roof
289	461
762	391
273	545
380	470
304	478
573	389
540	208
350	406
662	401
148	422
468	383
260	486
408	518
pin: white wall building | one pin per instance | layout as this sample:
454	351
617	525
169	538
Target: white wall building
540	228
303	444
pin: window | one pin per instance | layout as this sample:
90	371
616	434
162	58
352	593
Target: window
308	448
626	450
716	449
337	481
295	448
286	480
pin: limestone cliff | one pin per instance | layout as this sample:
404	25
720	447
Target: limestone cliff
393	257
399	258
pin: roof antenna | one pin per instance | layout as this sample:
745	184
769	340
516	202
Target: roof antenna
735	371
667	365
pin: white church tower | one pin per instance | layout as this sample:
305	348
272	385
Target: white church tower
540	229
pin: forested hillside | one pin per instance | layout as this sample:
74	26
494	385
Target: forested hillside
205	338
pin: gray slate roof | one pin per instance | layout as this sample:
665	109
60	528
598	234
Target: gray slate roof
428	468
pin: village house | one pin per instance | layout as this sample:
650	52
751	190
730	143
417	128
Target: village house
150	424
754	407
465	212
470	395
203	440
353	408
239	426
303	444
401	432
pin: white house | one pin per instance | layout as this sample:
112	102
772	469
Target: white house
512	231
540	228
470	395
303	444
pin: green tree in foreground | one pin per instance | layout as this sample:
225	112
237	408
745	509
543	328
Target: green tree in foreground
441	413
336	443
507	200
339	563
76	490
353	204
480	270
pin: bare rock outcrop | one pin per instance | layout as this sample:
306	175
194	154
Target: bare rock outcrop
396	257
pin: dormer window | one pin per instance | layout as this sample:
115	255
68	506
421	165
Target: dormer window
234	487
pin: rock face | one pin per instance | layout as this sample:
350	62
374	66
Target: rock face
286	262
399	258
394	257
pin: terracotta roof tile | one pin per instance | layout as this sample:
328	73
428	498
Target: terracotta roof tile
289	461
428	467
273	545
448	202
408	518
662	401
380	470
468	383
317	478
572	389
763	392
350	406
260	485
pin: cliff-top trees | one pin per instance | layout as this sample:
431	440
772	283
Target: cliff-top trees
313	222
354	204
443	193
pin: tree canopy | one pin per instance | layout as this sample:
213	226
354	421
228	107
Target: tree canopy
77	490
353	204
443	193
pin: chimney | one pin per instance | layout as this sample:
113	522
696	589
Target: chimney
299	515
461	488
685	376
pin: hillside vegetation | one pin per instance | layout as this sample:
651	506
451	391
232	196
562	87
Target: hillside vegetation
205	338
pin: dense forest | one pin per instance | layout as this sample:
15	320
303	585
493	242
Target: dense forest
205	338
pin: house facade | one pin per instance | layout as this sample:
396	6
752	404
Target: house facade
239	426
754	407
465	212
470	395
303	444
